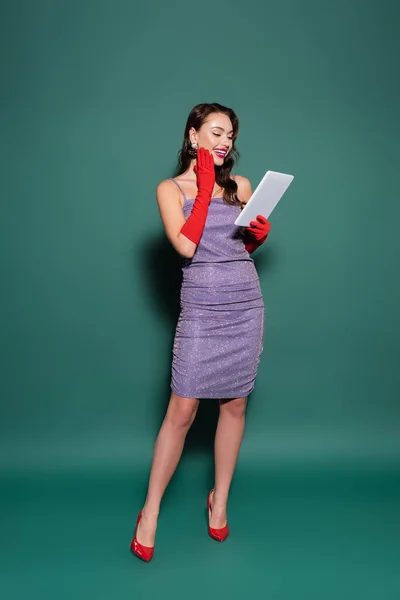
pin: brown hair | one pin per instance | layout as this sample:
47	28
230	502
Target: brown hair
196	118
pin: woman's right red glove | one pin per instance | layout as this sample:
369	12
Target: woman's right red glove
205	172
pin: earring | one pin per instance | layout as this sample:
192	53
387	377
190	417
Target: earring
193	150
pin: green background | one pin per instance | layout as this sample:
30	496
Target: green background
94	99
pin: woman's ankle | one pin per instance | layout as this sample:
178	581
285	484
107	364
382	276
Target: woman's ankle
219	500
149	511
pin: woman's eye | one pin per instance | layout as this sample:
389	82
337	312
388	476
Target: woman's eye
219	135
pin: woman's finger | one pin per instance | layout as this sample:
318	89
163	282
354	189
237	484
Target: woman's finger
256	225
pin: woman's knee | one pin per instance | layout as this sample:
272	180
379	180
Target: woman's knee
236	408
182	411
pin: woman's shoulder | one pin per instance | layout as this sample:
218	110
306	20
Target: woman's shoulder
244	188
172	181
166	186
168	189
241	180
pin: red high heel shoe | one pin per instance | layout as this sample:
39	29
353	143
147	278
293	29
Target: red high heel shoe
217	534
143	552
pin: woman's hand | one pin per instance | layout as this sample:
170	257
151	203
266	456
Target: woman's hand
258	231
205	172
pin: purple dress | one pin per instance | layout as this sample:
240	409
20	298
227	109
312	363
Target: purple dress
219	335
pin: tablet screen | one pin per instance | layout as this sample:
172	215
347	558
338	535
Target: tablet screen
265	197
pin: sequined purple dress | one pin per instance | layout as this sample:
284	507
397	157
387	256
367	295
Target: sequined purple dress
219	335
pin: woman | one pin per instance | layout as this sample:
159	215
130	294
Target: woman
219	334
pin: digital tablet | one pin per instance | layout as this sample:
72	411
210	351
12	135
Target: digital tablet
265	197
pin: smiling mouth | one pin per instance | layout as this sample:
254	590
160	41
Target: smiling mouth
220	153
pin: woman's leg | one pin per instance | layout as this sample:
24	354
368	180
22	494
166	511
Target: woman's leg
167	452
228	439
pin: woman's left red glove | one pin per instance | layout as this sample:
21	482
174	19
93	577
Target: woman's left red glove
258	232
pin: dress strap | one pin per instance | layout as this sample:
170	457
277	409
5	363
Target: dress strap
179	187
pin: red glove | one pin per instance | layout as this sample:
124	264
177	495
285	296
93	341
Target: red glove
205	172
258	231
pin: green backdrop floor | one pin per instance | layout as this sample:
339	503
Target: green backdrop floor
323	533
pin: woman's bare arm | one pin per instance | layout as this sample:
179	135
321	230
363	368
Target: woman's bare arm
173	218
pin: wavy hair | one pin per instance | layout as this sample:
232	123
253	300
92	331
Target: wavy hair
196	118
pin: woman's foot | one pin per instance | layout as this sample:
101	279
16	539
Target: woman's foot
217	514
146	531
143	541
217	520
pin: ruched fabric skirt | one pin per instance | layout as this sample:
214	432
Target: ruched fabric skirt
218	341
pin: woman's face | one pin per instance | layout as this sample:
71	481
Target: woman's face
215	135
